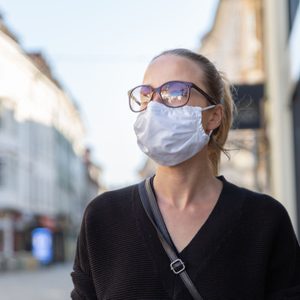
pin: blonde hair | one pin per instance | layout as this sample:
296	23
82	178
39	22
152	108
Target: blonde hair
218	87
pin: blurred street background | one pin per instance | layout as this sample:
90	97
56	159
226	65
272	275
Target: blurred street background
66	131
44	284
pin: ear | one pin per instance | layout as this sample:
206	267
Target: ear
215	117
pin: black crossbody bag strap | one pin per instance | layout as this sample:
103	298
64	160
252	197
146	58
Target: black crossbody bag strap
153	212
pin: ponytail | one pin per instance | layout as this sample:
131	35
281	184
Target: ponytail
220	134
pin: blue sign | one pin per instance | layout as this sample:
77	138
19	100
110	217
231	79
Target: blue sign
42	245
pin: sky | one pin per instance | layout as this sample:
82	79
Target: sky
98	50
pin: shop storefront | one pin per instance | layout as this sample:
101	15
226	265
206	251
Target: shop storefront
27	241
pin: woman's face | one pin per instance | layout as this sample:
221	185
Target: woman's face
171	67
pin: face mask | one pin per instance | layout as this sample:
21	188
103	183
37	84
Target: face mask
171	135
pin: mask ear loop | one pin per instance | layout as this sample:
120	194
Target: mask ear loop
207	108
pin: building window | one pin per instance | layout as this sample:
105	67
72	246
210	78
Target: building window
8	171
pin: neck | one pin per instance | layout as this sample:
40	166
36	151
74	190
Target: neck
186	184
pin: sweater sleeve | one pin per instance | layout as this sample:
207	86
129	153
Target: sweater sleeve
283	277
82	278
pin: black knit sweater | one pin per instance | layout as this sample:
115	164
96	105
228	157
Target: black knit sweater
246	249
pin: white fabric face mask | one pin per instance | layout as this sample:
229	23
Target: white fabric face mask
171	135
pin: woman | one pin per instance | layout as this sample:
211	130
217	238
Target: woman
235	244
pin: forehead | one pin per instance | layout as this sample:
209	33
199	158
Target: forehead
172	67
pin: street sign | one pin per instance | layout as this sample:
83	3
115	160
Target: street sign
248	100
42	245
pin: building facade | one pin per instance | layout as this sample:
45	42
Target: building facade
44	177
257	44
282	64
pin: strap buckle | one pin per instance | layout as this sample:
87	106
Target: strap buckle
177	266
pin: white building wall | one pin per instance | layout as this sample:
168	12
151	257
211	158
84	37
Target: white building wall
35	110
34	96
44	179
8	157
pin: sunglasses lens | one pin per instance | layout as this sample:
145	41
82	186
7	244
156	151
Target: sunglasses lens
175	93
140	97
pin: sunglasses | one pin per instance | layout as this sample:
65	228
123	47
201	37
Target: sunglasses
172	94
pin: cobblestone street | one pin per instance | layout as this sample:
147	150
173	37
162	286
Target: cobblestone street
52	283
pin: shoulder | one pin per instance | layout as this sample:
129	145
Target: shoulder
260	206
111	202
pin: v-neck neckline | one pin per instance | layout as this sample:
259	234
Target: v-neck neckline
208	220
206	242
210	216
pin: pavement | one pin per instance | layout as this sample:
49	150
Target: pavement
50	283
